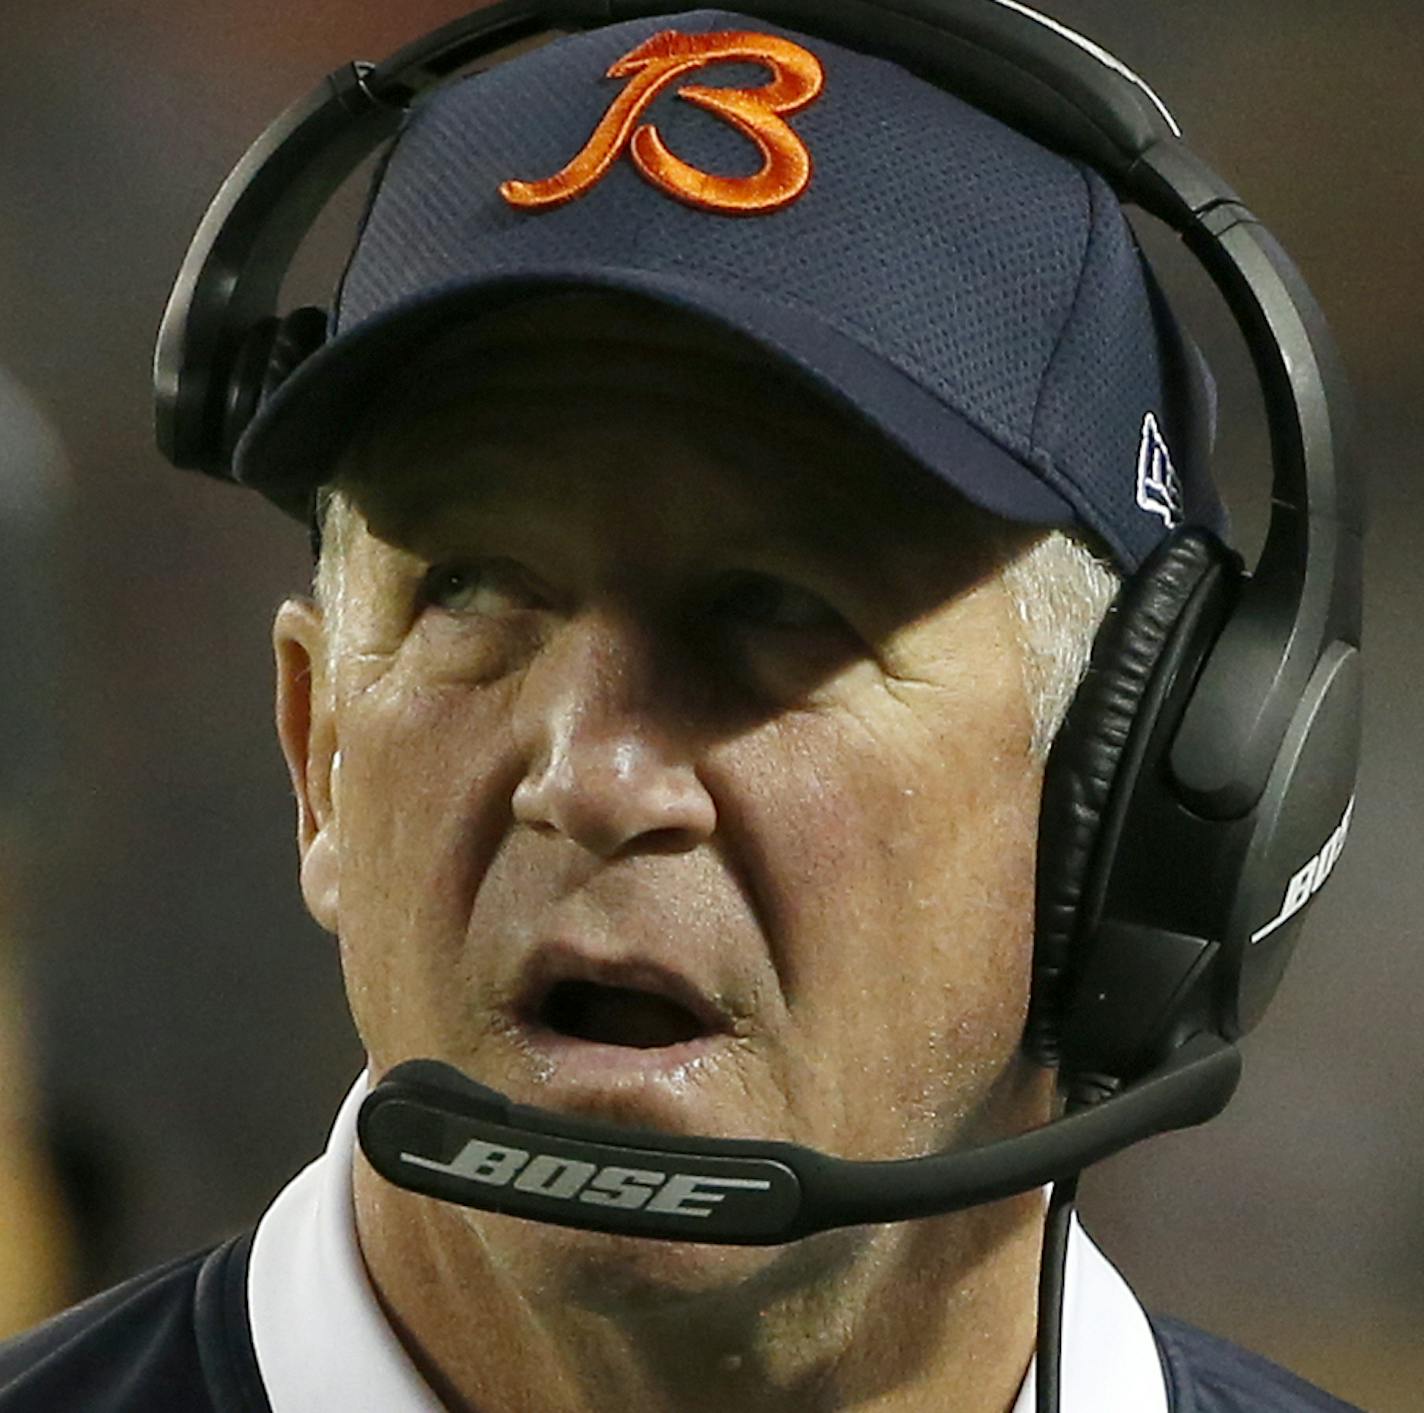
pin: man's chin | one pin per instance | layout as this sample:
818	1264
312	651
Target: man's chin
639	1277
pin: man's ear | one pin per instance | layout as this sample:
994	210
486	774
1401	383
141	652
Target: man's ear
307	730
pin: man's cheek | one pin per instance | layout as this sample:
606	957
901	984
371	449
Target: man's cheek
420	760
403	876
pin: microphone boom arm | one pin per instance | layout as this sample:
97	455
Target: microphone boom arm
430	1129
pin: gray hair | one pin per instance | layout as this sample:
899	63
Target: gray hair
336	520
1059	589
1061	593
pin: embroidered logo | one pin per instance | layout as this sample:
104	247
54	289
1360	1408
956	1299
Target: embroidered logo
651	68
1159	490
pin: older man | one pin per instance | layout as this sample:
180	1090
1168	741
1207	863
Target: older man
707	564
684	777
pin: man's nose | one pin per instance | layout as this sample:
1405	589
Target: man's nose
605	722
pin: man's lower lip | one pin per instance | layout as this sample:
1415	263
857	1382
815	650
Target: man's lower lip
588	1062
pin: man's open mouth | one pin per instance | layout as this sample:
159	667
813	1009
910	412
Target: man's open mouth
635	1004
617	1015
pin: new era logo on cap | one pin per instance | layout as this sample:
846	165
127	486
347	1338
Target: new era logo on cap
1159	490
756	112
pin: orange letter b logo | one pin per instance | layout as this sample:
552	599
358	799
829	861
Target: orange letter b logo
655	65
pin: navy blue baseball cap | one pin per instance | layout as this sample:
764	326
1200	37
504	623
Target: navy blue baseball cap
978	299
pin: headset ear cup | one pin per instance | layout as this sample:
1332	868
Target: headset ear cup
1082	767
270	352
298	335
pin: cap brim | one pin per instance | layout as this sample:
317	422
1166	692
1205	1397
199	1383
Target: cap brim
301	430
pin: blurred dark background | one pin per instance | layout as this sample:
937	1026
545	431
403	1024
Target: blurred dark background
187	1035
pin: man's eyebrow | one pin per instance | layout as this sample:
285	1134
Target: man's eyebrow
410	505
810	543
429	524
460	491
435	523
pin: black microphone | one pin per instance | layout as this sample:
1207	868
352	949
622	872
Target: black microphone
430	1129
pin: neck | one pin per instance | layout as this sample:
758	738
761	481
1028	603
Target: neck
498	1313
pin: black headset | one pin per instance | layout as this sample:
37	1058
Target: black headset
1195	800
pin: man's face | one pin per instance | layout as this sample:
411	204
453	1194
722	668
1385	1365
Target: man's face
684	773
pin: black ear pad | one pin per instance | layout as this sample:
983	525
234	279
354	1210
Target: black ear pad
269	353
297	336
1082	769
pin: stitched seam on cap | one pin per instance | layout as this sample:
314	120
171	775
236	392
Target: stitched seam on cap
1072	308
373	189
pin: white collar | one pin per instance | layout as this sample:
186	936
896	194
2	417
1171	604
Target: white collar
1108	1356
321	1338
322	1341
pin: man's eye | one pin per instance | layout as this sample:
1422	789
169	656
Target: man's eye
484	587
765	602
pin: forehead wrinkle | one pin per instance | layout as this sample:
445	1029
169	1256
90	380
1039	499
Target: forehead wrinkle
442	512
